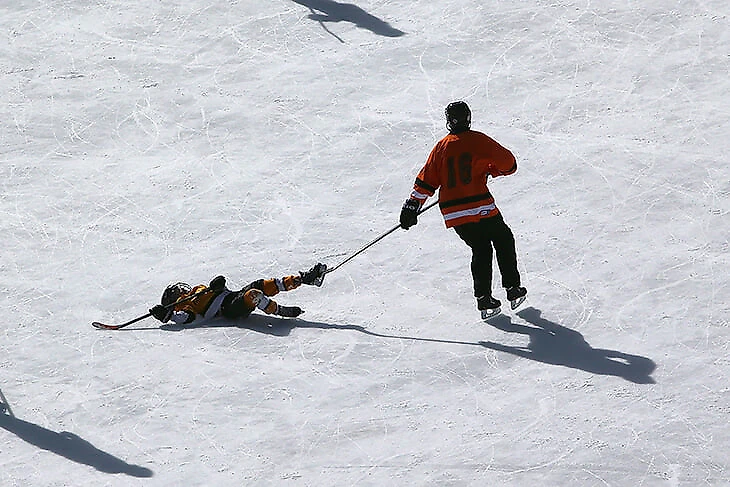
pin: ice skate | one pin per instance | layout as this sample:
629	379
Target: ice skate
516	296
488	306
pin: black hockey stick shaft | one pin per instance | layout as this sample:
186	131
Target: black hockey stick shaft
376	241
96	324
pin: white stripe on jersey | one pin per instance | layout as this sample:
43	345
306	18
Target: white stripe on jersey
419	196
481	210
215	306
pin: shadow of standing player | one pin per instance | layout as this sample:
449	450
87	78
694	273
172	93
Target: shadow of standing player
551	343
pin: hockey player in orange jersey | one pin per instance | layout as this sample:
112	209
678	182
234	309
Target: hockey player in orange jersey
458	167
216	300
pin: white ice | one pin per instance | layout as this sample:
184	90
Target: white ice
145	142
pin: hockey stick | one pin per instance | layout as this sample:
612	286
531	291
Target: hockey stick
375	241
102	326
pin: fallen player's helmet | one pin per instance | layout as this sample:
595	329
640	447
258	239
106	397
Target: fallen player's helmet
458	117
173	292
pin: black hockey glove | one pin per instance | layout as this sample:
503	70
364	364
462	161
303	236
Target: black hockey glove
217	284
315	275
409	213
161	313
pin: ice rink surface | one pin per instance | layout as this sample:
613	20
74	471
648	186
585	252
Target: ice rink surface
143	143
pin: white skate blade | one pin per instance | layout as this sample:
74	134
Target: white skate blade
515	303
490	313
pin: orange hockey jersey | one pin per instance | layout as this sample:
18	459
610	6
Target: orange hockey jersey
458	167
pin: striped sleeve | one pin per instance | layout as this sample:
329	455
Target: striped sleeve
422	190
427	181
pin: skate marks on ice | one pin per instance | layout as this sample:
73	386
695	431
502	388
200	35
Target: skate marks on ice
331	11
550	343
554	344
282	327
70	446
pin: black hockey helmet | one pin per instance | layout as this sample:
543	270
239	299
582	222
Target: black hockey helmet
458	117
173	292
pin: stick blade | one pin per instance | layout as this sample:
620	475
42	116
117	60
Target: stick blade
102	326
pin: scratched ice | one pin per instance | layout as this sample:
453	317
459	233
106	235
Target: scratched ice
149	142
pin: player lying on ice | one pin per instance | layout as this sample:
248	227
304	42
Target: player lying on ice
216	300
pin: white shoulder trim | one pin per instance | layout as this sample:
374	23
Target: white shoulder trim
215	307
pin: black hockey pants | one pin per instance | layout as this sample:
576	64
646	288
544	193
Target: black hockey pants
482	236
236	306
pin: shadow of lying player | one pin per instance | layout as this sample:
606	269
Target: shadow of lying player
554	344
70	446
282	327
332	11
550	343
